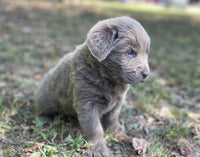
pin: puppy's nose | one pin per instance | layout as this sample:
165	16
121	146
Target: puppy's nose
145	74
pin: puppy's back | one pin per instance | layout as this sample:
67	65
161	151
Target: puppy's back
51	95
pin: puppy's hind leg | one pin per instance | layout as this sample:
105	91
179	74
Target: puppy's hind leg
43	103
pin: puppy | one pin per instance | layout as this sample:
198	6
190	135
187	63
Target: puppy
92	81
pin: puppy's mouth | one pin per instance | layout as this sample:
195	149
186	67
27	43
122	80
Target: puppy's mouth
132	78
134	81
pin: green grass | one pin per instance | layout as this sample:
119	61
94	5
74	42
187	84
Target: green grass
157	11
157	150
167	104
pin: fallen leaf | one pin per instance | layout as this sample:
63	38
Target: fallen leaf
18	155
165	112
38	77
173	83
123	139
173	155
197	130
141	126
19	95
26	29
185	147
3	84
161	121
149	119
1	152
36	146
146	130
161	81
4	37
139	146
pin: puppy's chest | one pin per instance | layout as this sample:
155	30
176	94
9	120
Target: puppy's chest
115	100
114	97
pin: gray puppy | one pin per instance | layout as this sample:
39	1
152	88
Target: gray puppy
92	81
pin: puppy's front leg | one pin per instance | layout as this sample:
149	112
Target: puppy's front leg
89	120
110	120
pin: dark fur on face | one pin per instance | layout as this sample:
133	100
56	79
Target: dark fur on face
92	81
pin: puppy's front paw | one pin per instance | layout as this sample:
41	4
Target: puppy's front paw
117	130
98	149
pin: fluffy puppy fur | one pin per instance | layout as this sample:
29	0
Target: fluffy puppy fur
92	81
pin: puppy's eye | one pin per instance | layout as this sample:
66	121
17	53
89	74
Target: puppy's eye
131	54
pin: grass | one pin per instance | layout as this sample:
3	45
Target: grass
34	35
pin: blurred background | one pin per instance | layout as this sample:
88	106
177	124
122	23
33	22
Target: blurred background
165	110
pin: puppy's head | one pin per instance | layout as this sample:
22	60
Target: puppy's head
121	45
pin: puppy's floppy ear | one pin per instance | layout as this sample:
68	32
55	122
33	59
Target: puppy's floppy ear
100	40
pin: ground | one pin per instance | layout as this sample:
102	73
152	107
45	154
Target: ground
164	111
